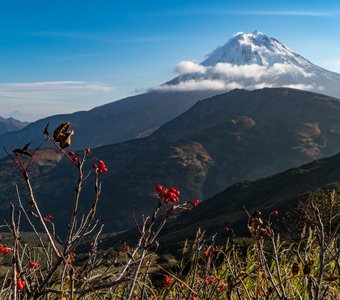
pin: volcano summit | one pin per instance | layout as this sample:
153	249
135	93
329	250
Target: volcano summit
253	61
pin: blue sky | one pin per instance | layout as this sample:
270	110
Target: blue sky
64	56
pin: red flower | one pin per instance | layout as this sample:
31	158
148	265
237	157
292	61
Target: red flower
87	150
158	187
33	265
275	213
71	153
195	202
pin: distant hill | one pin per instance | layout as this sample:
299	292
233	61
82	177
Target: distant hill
216	143
10	125
122	120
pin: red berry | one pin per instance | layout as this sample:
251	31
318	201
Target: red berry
33	265
195	202
193	298
158	187
71	153
91	244
275	213
94	166
87	150
5	250
226	229
268	234
75	159
50	217
207	280
222	287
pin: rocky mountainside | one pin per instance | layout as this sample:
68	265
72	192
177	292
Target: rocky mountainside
218	142
281	192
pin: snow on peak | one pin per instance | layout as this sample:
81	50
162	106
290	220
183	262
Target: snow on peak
254	48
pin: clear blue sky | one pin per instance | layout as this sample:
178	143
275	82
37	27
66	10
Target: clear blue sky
62	56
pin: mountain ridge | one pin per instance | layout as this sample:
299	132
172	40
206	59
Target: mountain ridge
218	145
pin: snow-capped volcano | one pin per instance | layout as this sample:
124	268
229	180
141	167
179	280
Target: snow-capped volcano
251	61
254	48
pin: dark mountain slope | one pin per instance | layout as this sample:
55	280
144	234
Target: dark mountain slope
218	142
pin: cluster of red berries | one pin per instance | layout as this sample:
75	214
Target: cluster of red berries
4	249
74	156
167	195
21	284
211	280
72	257
33	265
167	281
210	251
49	217
100	167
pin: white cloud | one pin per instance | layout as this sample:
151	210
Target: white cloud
197	85
189	67
290	13
55	85
300	86
225	76
51	97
